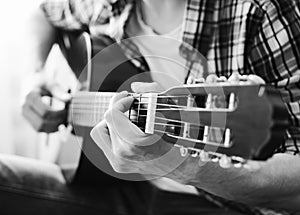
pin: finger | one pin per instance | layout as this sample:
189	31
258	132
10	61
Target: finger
33	118
38	123
255	79
57	91
34	101
104	139
121	127
123	104
117	97
234	78
212	78
46	113
101	137
222	79
144	87
117	120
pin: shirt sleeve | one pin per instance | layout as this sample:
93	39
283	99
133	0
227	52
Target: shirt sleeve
77	14
275	56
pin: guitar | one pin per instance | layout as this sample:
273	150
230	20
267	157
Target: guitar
249	120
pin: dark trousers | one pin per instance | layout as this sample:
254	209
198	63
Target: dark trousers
32	187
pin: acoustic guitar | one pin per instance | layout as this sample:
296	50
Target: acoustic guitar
249	120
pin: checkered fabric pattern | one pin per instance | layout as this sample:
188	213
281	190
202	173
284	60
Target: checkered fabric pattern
259	37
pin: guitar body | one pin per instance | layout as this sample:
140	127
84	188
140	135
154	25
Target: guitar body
108	71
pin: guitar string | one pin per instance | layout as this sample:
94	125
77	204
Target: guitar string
77	109
171	125
200	110
94	105
87	96
193	125
101	104
174	135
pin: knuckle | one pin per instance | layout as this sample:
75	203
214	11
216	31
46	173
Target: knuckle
45	113
125	152
121	152
39	126
24	109
107	115
120	167
117	168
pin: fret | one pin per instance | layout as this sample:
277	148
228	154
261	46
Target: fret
206	128
151	113
88	108
186	128
138	109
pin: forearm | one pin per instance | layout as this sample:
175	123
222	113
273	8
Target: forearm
43	36
274	185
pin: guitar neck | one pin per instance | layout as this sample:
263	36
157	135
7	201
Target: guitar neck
226	127
88	108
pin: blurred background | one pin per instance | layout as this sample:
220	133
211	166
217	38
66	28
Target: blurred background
16	69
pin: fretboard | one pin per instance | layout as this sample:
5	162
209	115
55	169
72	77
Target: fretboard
88	108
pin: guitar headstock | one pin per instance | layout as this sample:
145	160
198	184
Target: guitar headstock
242	121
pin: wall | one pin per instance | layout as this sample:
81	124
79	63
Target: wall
16	136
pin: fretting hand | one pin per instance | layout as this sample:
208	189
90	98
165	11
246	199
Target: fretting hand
128	149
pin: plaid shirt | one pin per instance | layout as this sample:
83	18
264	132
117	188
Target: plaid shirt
259	37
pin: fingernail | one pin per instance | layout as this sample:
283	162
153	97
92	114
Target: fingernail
212	78
234	78
125	92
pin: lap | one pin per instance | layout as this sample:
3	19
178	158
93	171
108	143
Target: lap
29	186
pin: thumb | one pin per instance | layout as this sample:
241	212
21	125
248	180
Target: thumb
123	104
145	87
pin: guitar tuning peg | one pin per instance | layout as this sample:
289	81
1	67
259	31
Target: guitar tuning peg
234	78
238	162
194	152
190	80
183	151
204	156
222	79
215	159
238	165
244	79
199	81
225	162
